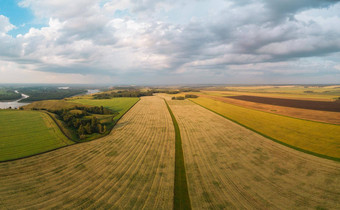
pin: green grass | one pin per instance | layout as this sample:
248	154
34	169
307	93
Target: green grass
121	105
181	192
26	133
315	138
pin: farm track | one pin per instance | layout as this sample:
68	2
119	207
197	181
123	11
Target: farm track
181	194
132	168
229	166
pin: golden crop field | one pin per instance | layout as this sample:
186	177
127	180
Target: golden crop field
131	168
231	167
327	93
319	138
307	114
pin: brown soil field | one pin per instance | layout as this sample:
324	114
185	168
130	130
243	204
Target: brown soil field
307	114
231	167
302	104
132	168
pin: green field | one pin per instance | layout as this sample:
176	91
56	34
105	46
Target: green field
25	133
312	137
121	105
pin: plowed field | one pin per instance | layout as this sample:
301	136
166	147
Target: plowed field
302	104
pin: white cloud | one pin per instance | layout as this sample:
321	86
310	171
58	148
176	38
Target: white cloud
86	37
5	25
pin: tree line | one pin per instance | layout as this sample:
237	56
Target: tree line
48	93
184	97
126	93
75	119
7	95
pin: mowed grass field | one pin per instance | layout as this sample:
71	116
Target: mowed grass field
317	138
231	167
120	105
24	133
131	168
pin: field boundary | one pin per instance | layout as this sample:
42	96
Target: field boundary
181	192
275	140
40	153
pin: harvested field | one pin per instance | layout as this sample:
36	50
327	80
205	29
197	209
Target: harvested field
302	104
132	168
314	115
230	167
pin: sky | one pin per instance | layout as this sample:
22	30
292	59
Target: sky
168	42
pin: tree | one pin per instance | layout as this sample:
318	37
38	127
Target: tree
100	128
88	128
81	130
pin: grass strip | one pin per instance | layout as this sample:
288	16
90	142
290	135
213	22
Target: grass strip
181	193
273	139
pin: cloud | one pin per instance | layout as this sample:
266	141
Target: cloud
5	25
87	37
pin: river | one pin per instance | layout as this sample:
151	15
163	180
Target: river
14	104
17	104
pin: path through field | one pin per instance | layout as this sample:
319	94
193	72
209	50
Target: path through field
132	168
229	166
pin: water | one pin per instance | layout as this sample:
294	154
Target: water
89	92
92	91
17	104
14	104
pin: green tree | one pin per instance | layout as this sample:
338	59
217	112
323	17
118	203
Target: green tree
81	130
88	128
100	128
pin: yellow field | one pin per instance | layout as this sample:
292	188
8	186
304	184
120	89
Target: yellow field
319	138
231	167
132	168
51	105
288	91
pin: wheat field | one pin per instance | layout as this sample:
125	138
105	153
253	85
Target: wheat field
229	166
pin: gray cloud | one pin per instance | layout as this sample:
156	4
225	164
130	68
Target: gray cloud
86	38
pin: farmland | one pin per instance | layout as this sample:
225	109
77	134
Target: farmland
230	167
133	167
317	138
326	93
179	155
313	115
24	133
120	105
302	104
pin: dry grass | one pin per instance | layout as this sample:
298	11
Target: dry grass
132	168
52	105
230	167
